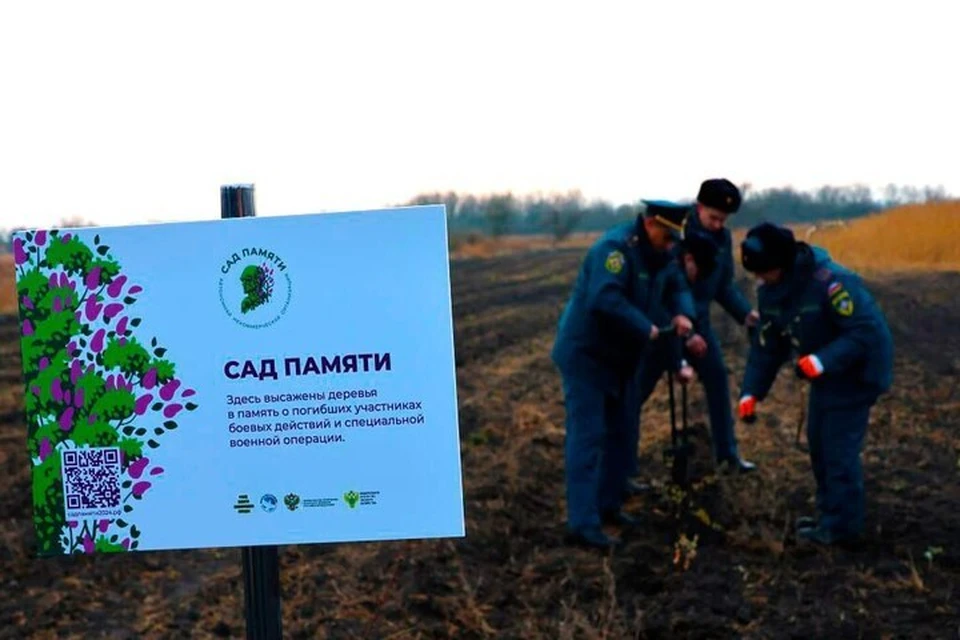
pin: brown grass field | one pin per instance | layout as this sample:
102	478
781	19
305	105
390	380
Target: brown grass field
511	577
8	298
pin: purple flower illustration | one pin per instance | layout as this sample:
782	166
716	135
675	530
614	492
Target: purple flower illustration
66	419
75	370
96	345
137	467
111	310
19	255
116	286
143	403
171	410
140	488
93	278
167	390
92	309
150	379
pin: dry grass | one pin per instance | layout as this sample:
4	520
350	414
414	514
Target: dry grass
8	297
913	237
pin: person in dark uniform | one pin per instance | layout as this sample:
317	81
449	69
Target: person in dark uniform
626	278
821	313
696	257
717	200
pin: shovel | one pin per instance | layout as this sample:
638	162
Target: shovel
678	454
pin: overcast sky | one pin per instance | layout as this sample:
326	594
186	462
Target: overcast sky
126	112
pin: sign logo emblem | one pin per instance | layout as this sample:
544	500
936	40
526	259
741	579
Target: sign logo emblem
243	504
255	287
268	502
292	501
351	498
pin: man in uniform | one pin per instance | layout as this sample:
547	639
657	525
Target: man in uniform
626	277
823	314
696	257
717	200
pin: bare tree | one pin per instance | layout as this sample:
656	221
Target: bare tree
501	210
564	212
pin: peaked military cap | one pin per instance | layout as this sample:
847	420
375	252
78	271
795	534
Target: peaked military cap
768	246
672	215
703	249
720	193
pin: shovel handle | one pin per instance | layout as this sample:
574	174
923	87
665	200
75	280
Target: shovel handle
683	419
666	331
673	409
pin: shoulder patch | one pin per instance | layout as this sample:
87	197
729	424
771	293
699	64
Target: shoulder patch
834	288
842	303
614	262
823	274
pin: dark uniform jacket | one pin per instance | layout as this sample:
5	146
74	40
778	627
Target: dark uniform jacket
822	309
719	285
623	288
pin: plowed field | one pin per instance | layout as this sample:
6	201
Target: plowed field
511	577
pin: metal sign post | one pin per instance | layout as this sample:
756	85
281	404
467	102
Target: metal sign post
261	566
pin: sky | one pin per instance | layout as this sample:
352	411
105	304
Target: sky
132	112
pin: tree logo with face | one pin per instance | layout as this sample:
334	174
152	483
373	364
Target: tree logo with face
257	283
255	287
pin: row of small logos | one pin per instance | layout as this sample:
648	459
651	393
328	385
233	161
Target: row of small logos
270	503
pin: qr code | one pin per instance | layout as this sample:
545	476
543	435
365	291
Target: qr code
91	482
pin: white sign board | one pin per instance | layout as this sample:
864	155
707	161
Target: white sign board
251	381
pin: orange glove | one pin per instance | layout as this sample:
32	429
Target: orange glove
748	409
809	367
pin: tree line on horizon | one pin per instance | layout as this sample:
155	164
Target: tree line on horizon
561	214
564	213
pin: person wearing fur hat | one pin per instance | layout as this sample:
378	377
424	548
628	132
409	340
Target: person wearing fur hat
717	200
821	315
696	258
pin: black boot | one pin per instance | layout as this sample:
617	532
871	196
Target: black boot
737	464
590	537
635	488
619	517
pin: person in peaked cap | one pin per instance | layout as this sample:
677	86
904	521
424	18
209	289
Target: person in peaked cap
626	284
822	313
717	200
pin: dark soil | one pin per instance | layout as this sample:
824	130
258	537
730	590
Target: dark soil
512	577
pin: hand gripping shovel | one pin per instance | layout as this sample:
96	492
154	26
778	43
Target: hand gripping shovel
679	452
